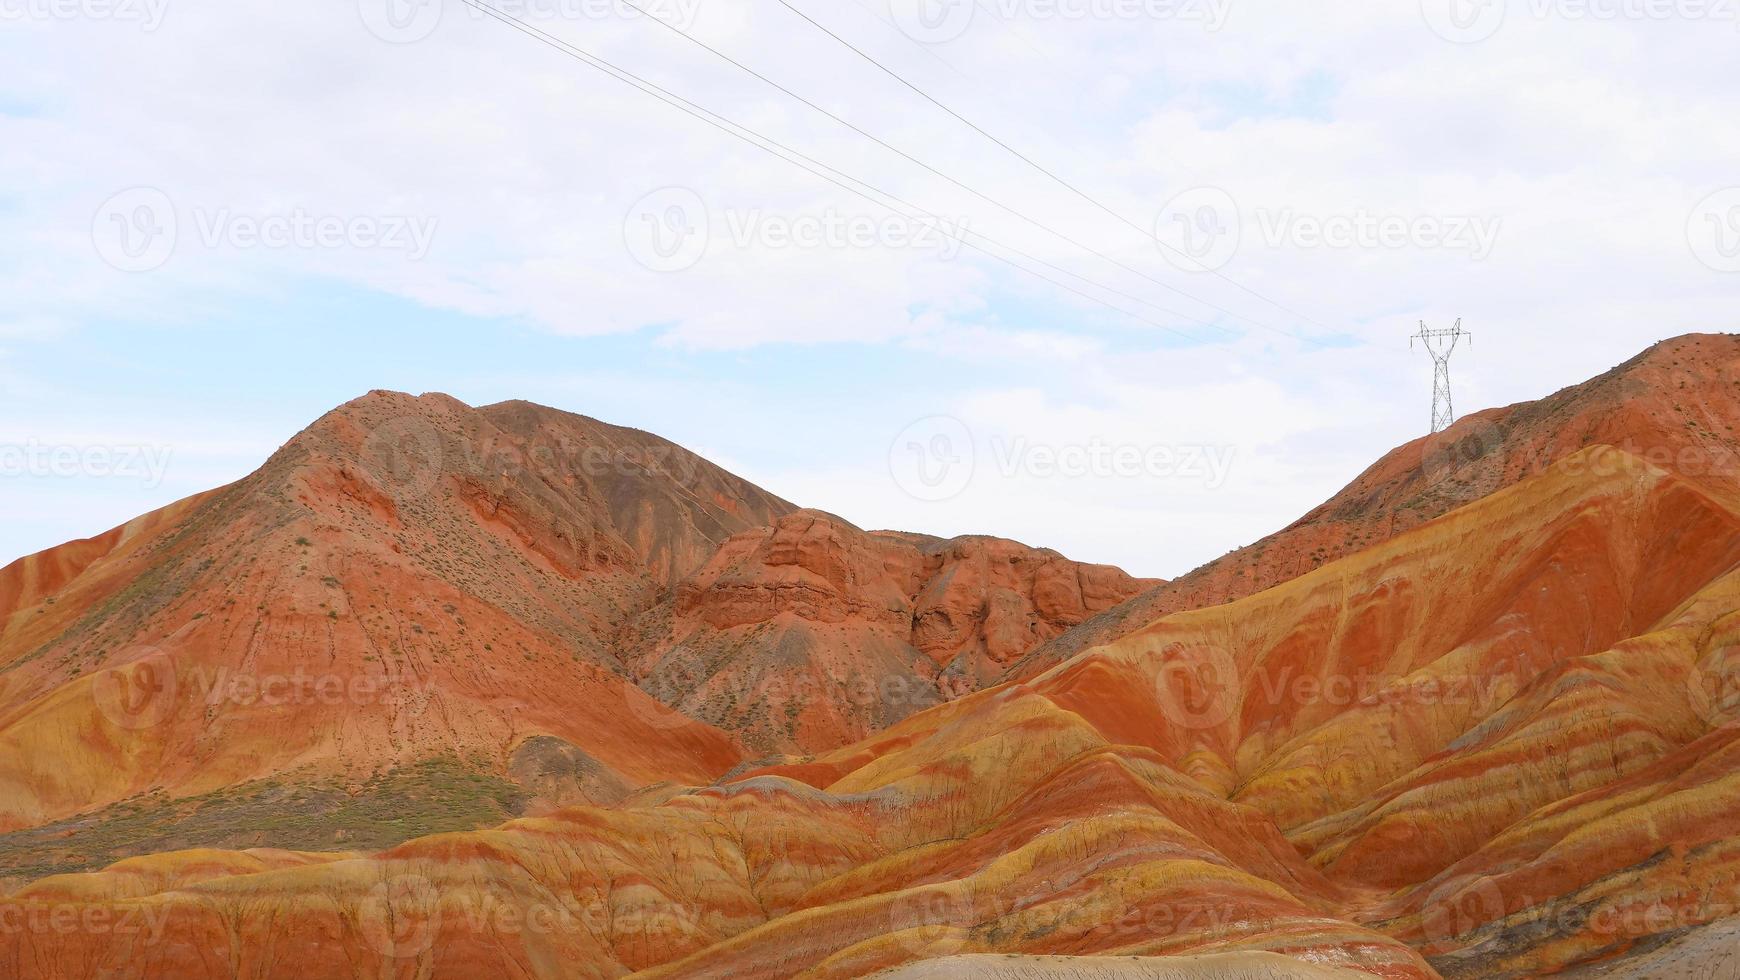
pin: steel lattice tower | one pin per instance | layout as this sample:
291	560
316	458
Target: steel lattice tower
1441	344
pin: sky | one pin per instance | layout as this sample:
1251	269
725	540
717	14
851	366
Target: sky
1141	293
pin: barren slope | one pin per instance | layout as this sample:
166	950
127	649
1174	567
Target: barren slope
405	580
1508	714
451	608
1675	406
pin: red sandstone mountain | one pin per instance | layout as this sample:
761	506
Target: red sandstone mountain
409	579
1486	748
415	597
809	634
1675	405
1496	741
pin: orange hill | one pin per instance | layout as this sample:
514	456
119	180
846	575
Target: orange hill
1674	406
1528	666
418	600
407	579
1497	743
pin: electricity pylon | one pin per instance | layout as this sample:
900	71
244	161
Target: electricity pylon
1441	344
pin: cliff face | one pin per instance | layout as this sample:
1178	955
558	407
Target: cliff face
810	633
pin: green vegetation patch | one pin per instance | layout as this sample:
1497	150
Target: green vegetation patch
436	795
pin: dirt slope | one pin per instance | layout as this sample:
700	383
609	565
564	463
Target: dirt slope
455	609
1508	716
1675	405
407	579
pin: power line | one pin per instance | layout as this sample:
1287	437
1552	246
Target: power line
958	183
768	145
1148	233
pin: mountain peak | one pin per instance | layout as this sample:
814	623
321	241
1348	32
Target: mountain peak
1674	405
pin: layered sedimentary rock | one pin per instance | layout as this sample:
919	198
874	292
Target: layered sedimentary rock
454	611
1496	745
1675	406
408	578
1500	742
810	633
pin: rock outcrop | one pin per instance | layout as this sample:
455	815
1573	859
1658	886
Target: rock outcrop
810	634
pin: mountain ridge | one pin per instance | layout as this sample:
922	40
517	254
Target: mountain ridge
1429	476
1481	723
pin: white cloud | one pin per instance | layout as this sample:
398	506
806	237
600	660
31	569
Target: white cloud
1587	143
